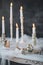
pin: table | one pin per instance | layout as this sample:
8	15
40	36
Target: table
14	56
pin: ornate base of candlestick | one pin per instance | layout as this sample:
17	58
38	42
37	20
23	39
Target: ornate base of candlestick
34	42
11	39
17	44
22	44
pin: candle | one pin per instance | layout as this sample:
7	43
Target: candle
33	29
21	20
11	21
17	33
21	11
34	34
3	26
3	29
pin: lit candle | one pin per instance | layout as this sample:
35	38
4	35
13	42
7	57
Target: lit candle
34	28
34	35
11	21
21	11
3	26
17	33
21	20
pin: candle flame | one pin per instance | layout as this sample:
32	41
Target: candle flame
21	7
33	25
2	17
16	25
11	4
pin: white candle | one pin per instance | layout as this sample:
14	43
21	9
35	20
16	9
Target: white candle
21	20
34	35
21	11
17	33
3	25
34	28
11	21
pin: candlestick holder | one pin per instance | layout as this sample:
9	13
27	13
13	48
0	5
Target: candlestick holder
22	44
34	39
17	45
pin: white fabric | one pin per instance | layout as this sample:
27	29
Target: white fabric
12	52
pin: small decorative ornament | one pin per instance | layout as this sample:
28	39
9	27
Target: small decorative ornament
29	47
7	44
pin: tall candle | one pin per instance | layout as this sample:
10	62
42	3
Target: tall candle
21	20
34	35
11	21
34	28
3	25
17	33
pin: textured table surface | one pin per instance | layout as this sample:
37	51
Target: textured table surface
15	55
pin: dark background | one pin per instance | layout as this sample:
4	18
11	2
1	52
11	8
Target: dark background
33	13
